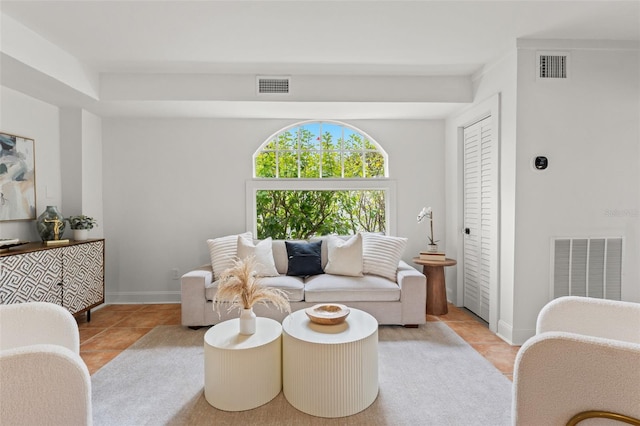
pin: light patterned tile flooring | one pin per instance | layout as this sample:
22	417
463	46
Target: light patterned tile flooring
114	328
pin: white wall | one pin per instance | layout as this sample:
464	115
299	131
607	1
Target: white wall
81	145
25	116
92	199
171	184
589	128
495	84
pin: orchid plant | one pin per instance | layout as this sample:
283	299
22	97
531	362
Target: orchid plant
426	212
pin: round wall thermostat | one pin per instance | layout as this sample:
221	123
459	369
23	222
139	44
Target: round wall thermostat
540	163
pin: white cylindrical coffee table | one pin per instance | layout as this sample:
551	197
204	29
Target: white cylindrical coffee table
330	370
242	372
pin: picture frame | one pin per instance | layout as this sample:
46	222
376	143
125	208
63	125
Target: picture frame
17	178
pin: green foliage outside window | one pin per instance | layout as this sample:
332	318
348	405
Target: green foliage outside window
319	151
304	214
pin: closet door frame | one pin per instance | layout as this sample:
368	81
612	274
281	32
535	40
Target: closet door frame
489	107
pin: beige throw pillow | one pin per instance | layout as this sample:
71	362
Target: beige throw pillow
381	254
263	254
344	257
223	252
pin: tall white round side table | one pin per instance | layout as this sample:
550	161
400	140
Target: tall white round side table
330	370
242	372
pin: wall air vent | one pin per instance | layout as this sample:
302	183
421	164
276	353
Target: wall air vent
273	85
587	266
553	65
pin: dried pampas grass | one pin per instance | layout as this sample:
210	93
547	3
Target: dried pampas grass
241	289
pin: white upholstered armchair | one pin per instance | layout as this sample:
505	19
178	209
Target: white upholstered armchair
43	380
585	357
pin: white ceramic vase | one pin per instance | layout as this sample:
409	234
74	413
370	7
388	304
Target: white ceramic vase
247	321
80	234
432	248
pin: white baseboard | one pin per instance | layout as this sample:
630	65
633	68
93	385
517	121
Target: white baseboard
511	336
505	332
128	297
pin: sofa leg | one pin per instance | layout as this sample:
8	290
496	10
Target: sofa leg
195	327
411	326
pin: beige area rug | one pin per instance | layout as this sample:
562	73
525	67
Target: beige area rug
428	376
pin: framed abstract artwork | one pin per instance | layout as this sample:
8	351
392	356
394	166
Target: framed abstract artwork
17	178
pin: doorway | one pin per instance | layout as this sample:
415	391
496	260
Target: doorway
480	212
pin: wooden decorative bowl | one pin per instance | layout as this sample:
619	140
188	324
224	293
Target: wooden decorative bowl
327	313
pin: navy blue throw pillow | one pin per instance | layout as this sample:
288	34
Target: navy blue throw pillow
304	258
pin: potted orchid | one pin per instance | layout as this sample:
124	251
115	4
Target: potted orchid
426	212
80	225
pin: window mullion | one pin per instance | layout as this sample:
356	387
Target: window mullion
299	150
341	153
320	152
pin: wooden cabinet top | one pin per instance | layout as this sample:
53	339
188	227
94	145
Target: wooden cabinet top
37	246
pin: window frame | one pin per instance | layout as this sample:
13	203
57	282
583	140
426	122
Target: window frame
363	151
298	184
321	183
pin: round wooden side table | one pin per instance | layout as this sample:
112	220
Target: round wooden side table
436	286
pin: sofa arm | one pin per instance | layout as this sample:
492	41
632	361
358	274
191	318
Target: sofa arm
44	384
413	294
558	375
38	322
593	317
193	300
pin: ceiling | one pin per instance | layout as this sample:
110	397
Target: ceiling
387	38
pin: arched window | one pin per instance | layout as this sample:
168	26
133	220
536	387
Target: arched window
320	150
317	178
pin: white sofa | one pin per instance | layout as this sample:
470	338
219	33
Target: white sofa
394	303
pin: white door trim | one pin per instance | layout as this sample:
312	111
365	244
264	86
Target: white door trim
475	113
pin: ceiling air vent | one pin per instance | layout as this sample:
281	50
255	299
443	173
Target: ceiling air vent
273	85
552	65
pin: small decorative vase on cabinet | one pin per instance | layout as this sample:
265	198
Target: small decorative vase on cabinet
247	321
50	224
80	234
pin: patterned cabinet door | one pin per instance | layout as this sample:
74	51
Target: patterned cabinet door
32	277
83	272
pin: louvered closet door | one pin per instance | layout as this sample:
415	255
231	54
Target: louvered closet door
480	210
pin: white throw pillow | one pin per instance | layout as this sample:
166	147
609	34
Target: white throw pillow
344	257
223	252
381	254
263	254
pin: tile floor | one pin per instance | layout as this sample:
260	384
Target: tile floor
114	328
476	333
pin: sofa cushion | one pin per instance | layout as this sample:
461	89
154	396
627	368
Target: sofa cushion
280	255
223	252
263	254
381	254
341	289
293	286
304	258
323	251
344	257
